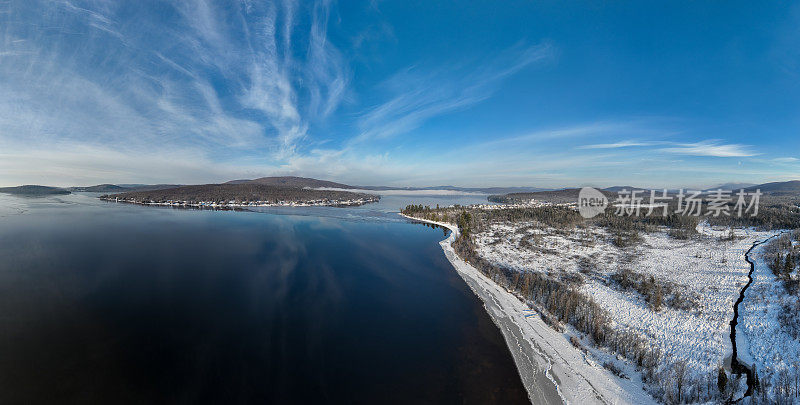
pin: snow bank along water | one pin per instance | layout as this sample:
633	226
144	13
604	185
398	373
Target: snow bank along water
737	366
552	369
765	342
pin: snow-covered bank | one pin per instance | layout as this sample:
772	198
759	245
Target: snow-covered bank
763	340
708	272
551	368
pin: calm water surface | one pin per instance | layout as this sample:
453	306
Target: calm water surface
114	303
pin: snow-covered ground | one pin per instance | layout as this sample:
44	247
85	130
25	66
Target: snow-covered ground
543	355
708	272
766	343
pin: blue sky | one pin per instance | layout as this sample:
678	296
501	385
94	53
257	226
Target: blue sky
474	93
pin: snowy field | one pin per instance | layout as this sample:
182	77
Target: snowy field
765	341
704	276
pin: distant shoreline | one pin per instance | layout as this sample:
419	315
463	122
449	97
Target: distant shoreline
242	195
235	205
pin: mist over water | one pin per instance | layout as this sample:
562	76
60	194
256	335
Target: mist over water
105	302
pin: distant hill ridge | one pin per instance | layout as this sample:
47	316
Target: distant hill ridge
100	188
498	194
292	181
484	190
733	186
34	190
778	188
118	188
616	189
568	195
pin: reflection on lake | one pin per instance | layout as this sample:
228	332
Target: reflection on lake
104	302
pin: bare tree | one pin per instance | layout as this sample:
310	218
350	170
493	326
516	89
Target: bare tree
679	372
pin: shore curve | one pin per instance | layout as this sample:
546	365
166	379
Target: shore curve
552	370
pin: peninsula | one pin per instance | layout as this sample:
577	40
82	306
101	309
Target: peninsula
264	192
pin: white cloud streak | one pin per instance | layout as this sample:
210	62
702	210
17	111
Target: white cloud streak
713	148
785	160
218	81
417	96
619	145
201	90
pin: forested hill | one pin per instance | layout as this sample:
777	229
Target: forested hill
100	188
33	190
241	193
293	181
779	188
567	195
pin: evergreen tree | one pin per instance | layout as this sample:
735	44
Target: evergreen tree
756	381
777	264
722	381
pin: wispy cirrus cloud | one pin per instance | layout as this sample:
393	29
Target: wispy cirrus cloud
108	91
228	79
276	69
710	148
416	94
786	160
713	148
326	69
620	144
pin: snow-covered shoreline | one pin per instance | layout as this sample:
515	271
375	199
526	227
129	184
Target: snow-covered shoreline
552	369
764	343
233	204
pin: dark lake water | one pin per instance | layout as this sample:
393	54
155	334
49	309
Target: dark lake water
114	303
